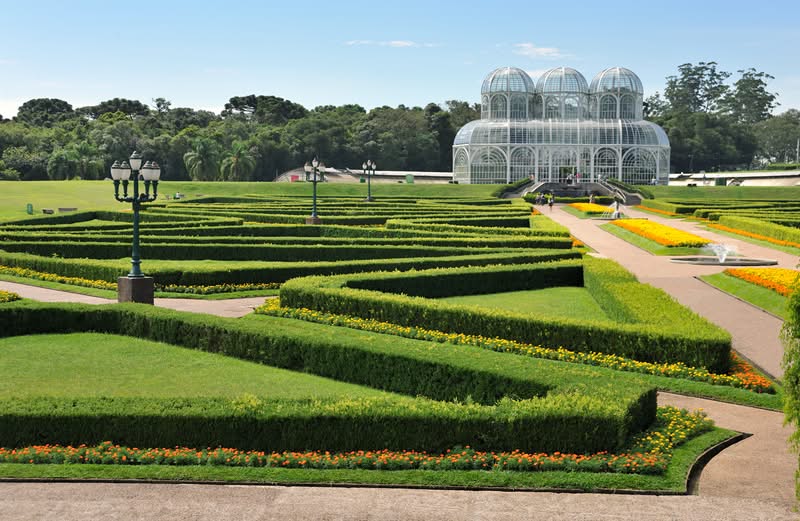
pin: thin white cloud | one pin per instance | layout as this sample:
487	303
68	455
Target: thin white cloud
6	61
532	51
398	44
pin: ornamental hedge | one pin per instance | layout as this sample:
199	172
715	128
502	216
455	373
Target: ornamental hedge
264	272
555	406
649	326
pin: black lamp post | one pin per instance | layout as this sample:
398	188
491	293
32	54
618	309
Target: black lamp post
135	287
369	171
313	174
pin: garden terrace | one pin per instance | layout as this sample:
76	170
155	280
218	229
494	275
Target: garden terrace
557	407
193	243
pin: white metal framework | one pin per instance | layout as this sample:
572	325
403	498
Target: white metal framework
561	128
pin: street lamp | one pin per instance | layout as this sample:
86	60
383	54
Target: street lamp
369	171
135	287
313	174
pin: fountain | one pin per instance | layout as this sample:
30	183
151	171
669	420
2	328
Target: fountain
723	256
612	212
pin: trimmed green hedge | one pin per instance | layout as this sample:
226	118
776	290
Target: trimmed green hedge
761	227
697	343
269	272
262	252
501	242
582	410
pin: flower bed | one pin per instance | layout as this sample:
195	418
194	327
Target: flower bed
754	235
8	296
656	210
650	453
661	234
742	375
591	208
112	286
52	277
780	280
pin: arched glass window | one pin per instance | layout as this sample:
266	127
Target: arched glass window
522	164
608	107
627	109
488	166
551	108
461	166
519	107
638	167
543	173
605	164
571	108
565	163
499	108
485	107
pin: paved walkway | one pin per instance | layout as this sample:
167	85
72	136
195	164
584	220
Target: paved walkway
755	333
234	308
752	480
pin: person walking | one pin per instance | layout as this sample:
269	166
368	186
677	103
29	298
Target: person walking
550	200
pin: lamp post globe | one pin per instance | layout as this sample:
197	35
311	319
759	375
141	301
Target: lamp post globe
313	171
135	287
369	167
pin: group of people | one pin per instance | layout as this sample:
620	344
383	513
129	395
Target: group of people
548	199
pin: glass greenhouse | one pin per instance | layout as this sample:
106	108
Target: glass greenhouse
561	129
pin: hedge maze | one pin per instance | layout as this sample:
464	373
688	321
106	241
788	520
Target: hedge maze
387	261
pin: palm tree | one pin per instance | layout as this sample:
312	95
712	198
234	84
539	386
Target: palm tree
238	164
201	162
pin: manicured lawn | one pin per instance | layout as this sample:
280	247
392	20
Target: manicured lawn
99	195
651	246
761	297
91	364
555	302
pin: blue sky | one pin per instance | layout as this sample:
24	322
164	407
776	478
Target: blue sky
373	53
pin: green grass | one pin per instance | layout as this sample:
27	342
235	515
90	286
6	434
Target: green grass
763	298
651	246
551	302
673	481
99	195
92	364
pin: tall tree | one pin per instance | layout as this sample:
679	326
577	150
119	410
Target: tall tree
696	88
749	101
44	112
462	112
128	107
202	162
778	136
238	164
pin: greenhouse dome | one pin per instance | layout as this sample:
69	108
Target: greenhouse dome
561	129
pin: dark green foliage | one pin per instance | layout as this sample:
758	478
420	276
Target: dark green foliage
583	412
262	252
790	335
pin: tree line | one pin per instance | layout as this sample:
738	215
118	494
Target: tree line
253	139
712	124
